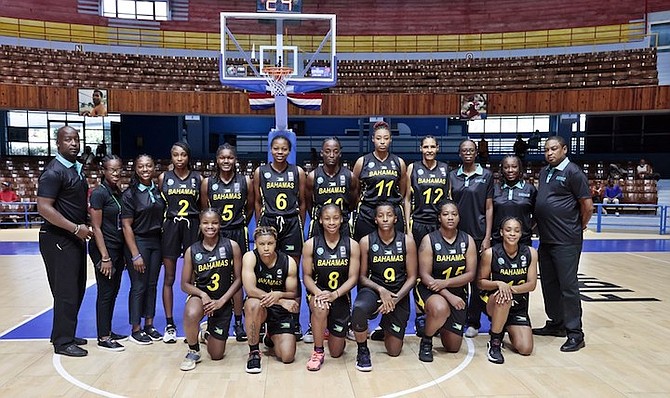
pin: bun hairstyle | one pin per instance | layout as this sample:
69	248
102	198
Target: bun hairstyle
381	125
264	230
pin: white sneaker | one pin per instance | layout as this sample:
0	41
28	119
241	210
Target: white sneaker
308	337
471	332
203	334
192	357
170	335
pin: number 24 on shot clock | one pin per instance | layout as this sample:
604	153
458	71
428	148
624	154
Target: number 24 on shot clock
293	6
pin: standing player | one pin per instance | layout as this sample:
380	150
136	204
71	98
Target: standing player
330	264
427	187
181	190
211	277
447	263
471	187
507	273
231	195
270	278
383	178
513	197
388	272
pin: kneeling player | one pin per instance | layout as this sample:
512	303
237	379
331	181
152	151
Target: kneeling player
210	277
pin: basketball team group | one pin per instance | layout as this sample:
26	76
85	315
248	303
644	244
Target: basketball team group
453	243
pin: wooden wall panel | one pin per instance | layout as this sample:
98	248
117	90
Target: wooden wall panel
226	103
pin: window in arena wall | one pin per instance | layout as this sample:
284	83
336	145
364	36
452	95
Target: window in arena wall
33	133
662	29
501	131
154	10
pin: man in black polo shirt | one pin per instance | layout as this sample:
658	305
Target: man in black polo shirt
563	209
62	202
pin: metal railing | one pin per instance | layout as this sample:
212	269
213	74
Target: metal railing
656	217
25	214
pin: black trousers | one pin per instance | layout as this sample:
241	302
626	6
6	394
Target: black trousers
143	286
108	288
64	256
475	305
559	265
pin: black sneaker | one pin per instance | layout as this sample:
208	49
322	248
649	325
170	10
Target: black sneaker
240	333
118	337
426	350
254	362
298	333
377	335
363	362
420	325
494	351
140	338
267	340
110	345
153	333
550	330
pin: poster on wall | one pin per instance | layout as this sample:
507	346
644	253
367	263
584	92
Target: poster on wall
92	102
473	106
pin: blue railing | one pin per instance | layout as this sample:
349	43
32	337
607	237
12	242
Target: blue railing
655	217
27	216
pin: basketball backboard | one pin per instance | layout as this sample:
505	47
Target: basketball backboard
252	41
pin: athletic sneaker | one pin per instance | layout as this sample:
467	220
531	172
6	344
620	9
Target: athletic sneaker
471	332
192	357
308	337
426	351
153	333
240	333
350	334
315	361
494	351
118	337
203	334
110	345
377	335
363	362
254	362
420	325
298	333
140	338
170	336
267	340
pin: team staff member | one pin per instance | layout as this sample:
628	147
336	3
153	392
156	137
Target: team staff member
330	183
388	272
564	207
508	272
62	202
106	249
471	187
180	188
382	176
330	264
142	217
447	263
427	187
270	278
211	277
513	197
231	194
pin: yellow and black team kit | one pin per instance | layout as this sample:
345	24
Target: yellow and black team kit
513	271
230	200
448	262
330	189
330	271
280	193
180	227
428	188
380	182
386	268
213	271
273	279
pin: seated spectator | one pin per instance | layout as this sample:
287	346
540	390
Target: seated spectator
644	171
7	196
613	194
597	190
87	156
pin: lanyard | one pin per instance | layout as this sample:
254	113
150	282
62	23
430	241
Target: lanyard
113	197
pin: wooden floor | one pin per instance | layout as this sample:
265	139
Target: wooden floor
625	356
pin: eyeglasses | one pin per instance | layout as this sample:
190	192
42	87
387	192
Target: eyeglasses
468	150
114	171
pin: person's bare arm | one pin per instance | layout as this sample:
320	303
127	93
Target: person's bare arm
257	196
204	193
585	210
407	202
46	208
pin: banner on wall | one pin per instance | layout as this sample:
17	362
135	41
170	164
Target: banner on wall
473	106
309	101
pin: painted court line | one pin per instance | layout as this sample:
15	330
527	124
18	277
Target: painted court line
61	371
452	373
649	258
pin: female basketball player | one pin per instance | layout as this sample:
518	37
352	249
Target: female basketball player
106	249
513	197
388	272
383	178
330	266
508	272
270	278
427	187
180	188
142	219
231	195
447	263
471	187
211	277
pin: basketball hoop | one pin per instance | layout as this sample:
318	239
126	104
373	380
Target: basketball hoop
277	77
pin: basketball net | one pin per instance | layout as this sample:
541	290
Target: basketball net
277	76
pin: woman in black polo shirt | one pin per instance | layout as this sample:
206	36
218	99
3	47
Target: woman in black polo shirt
106	249
513	197
142	217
